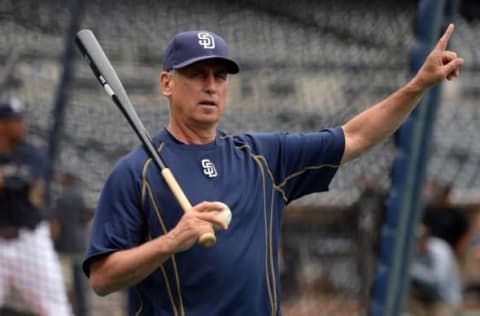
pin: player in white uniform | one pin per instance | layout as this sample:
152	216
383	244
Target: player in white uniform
28	261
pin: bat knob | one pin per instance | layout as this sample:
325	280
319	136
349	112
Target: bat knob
207	240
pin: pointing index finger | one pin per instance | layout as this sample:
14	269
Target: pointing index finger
443	42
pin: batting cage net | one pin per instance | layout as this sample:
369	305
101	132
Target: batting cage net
305	65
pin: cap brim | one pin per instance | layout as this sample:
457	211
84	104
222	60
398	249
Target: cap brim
11	116
232	66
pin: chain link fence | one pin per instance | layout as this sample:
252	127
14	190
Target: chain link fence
305	65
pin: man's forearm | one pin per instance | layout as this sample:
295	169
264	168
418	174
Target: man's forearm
381	120
378	122
125	268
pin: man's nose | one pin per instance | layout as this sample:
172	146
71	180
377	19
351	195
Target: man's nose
210	84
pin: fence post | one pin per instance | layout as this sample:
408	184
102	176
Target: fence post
403	207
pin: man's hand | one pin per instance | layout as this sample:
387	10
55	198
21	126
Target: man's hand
125	268
199	220
440	63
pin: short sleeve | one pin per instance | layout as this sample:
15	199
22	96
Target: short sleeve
118	223
302	163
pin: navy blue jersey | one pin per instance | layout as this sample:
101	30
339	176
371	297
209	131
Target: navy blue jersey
21	169
256	175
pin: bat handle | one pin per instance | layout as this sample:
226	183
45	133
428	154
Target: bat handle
206	240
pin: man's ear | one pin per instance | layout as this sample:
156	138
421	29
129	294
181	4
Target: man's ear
166	81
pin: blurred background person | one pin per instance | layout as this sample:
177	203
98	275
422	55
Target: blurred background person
26	247
435	281
444	219
70	224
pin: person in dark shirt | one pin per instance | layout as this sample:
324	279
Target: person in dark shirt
143	241
71	223
28	261
444	220
436	288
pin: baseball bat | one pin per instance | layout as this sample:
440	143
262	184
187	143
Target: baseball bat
102	69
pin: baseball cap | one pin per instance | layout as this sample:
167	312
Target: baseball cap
190	47
11	109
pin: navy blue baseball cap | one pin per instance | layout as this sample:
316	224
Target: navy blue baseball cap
190	47
11	109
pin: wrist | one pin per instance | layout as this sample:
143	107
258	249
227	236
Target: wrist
165	247
161	249
415	87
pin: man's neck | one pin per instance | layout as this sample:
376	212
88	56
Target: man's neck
192	136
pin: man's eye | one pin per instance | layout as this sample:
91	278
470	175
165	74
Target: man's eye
221	75
196	73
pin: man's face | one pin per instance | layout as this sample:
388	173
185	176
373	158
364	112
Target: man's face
197	93
13	129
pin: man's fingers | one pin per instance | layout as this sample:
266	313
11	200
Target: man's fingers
213	219
208	211
448	56
443	42
452	69
206	206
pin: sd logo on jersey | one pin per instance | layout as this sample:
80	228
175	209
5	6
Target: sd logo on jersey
209	168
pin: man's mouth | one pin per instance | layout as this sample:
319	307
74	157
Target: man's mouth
207	103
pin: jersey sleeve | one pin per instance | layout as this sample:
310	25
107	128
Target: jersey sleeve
118	222
302	163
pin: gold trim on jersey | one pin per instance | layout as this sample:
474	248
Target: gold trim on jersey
146	189
269	235
298	173
282	183
269	262
140	308
269	265
270	274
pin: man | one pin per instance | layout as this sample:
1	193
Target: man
28	261
436	287
71	221
142	240
444	219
